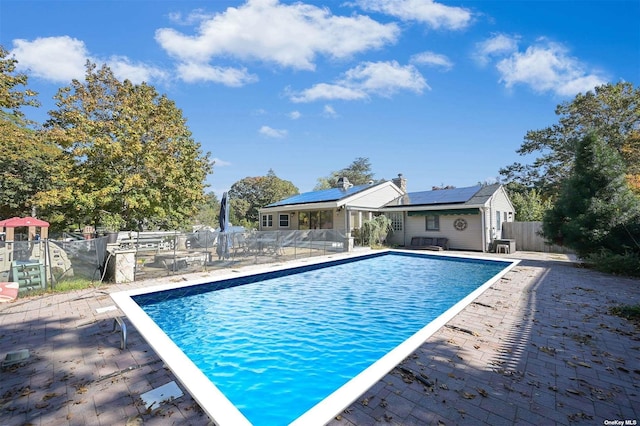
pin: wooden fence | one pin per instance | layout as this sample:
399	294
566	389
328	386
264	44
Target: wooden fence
528	236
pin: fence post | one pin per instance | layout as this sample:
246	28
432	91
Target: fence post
175	247
207	258
47	263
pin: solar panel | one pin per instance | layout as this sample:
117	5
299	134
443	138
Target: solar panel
332	194
443	196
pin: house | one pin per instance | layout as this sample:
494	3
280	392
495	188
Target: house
343	208
469	218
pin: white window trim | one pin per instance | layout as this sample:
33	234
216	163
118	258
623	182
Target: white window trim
437	223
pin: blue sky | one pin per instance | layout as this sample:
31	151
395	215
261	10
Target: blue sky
442	92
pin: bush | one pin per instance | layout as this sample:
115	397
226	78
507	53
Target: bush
615	263
375	231
630	312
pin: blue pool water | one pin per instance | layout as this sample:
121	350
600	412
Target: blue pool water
279	343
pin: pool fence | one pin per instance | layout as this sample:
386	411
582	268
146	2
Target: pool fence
136	256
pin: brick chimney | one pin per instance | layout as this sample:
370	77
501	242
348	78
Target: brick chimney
400	182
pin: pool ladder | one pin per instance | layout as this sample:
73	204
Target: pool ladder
118	323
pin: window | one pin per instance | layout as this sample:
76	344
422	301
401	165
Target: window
267	220
498	226
284	220
432	222
396	221
322	219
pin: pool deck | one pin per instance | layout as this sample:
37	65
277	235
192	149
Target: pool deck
539	347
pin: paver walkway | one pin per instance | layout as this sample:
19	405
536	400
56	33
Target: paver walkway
539	347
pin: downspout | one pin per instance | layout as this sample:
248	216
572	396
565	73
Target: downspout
483	211
491	228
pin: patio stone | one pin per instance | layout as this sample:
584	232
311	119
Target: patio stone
538	347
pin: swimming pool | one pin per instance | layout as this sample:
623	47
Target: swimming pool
298	345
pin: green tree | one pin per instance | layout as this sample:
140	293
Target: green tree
26	162
631	156
529	204
358	172
612	110
238	213
134	163
209	211
596	209
11	99
257	192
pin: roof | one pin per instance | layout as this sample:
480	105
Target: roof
471	195
483	195
323	195
16	222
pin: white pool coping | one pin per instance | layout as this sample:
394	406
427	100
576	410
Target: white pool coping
216	404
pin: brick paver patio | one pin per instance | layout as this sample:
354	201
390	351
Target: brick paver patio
539	347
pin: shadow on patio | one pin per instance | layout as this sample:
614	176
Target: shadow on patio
538	347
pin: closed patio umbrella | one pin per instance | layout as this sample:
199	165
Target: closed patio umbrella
223	240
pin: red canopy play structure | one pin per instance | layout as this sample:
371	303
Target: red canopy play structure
8	225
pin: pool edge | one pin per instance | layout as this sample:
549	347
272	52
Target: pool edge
344	396
216	404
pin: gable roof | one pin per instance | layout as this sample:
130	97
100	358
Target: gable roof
323	195
484	194
468	196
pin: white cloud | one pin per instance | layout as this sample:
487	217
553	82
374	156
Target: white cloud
220	163
547	67
234	77
62	59
544	67
57	59
272	133
432	59
497	45
328	111
193	18
369	78
137	73
290	35
435	15
386	78
577	85
328	91
294	115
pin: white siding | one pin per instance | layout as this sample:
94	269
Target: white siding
498	203
469	239
376	198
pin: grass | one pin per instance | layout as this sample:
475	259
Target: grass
75	284
630	312
64	286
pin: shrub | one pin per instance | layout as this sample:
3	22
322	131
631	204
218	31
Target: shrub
627	263
630	312
375	231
